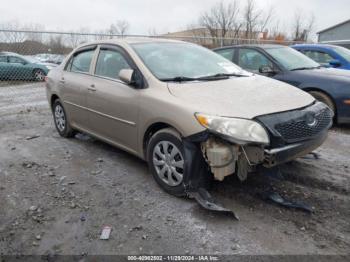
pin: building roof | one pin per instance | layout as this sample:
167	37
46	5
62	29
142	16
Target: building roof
334	26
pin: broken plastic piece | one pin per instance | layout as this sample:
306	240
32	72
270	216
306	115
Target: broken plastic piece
314	154
106	231
278	199
206	201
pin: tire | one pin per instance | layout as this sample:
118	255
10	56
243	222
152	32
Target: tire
167	171
39	75
322	97
61	121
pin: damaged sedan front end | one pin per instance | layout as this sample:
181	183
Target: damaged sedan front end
239	146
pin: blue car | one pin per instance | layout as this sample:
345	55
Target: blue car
328	85
326	55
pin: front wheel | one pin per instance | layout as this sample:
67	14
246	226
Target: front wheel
322	97
61	122
165	157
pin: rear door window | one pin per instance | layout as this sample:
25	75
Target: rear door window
81	62
109	63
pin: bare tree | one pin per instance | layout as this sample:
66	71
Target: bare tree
301	29
152	31
121	27
35	33
14	36
256	20
221	20
56	44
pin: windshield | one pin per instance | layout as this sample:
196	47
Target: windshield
174	60
342	51
291	59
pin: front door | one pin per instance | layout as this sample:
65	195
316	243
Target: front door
112	104
252	60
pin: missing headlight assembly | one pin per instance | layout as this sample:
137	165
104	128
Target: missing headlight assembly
226	159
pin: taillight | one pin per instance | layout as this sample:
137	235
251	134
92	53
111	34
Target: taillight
46	79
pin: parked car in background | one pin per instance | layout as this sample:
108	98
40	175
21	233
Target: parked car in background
16	67
180	106
49	58
331	86
326	55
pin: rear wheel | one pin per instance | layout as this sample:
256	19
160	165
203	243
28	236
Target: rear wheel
165	157
322	97
61	122
39	75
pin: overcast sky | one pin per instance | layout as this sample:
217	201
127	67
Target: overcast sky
163	15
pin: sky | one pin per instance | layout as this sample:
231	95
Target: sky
162	15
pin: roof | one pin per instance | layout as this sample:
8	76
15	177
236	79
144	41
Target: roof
7	53
334	26
313	45
130	40
263	46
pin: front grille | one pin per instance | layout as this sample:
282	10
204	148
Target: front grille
297	125
299	129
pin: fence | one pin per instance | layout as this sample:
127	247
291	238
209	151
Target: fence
40	51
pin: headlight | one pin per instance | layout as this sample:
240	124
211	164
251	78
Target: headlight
49	67
240	130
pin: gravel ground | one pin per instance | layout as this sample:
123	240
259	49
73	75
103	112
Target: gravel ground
56	195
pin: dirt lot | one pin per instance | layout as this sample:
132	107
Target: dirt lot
56	195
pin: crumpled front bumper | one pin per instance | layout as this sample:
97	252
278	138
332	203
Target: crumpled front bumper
289	152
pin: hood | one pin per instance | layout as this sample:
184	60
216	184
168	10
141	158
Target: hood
244	97
325	73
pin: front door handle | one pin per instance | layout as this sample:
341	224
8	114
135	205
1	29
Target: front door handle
62	80
92	88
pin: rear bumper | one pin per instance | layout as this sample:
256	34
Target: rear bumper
287	153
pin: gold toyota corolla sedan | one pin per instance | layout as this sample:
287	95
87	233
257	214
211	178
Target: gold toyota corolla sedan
190	113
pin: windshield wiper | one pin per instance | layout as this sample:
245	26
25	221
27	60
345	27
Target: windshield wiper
201	78
305	68
178	79
223	75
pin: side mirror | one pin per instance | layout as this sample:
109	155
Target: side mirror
335	63
265	69
126	76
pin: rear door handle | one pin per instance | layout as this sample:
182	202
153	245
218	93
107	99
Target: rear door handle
62	80
92	88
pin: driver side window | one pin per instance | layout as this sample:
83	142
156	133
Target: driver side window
252	60
109	64
15	60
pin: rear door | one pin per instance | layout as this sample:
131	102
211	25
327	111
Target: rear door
74	82
112	104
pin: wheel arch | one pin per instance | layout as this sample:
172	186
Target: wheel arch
151	130
316	89
53	98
